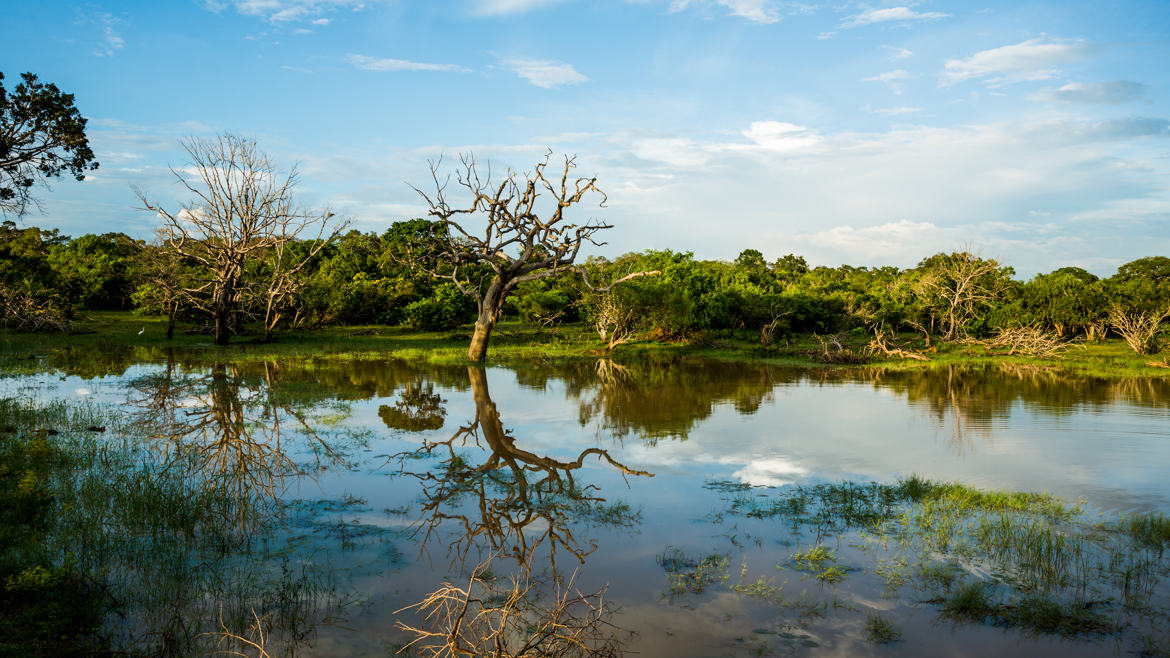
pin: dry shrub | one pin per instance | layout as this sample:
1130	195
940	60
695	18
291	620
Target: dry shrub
833	351
1029	340
25	311
880	345
1139	329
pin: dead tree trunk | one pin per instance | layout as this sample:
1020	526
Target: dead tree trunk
518	244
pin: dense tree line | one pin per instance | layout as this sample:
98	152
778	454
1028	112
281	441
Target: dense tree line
46	279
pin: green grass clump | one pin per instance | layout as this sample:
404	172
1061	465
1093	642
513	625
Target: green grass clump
969	500
686	574
1034	613
969	602
880	630
1150	530
821	563
1043	615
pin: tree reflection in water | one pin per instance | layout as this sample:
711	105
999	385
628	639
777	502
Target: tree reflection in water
419	408
514	501
228	431
236	439
511	504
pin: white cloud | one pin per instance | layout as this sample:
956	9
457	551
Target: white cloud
111	38
321	21
757	11
1034	59
892	197
288	11
891	79
895	111
505	7
674	151
545	73
1109	93
897	53
781	136
387	64
898	241
895	14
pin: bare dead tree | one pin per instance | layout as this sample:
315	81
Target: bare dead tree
27	311
287	276
513	241
242	209
615	323
1139	329
956	286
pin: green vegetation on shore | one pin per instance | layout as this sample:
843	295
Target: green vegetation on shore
113	336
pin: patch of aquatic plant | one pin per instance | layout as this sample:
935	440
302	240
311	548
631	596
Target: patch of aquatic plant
1149	530
727	486
1035	551
102	547
880	630
820	562
1024	560
50	608
688	574
977	602
761	588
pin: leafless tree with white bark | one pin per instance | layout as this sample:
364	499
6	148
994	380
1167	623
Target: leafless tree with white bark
501	227
1139	329
243	208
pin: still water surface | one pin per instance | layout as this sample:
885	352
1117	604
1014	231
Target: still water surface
617	474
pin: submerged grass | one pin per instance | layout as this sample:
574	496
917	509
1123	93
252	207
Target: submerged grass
880	630
102	550
1022	560
689	574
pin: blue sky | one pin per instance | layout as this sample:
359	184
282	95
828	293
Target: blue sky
867	133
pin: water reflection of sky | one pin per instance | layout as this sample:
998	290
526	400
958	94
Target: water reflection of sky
689	425
1113	455
1109	450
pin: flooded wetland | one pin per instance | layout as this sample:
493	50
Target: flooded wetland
589	507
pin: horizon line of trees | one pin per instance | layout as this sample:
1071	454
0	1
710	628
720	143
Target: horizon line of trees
47	279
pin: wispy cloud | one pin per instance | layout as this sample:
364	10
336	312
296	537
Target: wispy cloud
110	26
757	11
895	195
545	73
1108	93
892	79
895	111
890	14
505	7
781	136
897	53
1035	59
288	11
388	64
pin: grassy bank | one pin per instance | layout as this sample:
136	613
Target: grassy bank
124	335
